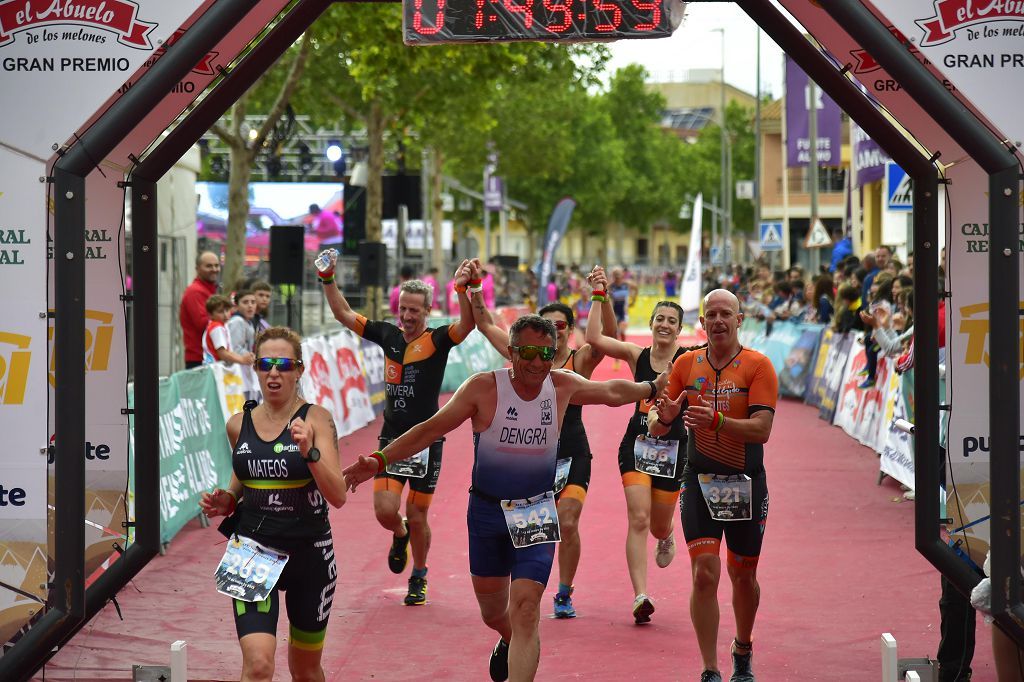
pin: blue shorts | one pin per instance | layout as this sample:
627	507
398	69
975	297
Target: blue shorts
491	554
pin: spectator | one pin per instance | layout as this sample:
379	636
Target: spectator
263	292
552	289
217	339
671	280
822	303
192	313
240	328
880	303
488	284
326	226
908	267
847	306
404	276
786	306
842	248
881	259
430	279
893	334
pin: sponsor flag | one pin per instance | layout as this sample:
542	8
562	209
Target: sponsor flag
557	226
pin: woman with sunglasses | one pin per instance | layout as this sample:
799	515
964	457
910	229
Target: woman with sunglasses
651	494
572	475
285	471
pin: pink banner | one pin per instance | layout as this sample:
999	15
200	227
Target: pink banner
952	15
118	16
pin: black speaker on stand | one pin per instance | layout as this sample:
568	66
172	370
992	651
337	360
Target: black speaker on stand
373	264
287	261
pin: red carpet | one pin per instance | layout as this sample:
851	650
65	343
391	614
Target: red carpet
838	569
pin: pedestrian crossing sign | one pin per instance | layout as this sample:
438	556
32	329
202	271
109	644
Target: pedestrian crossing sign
771	236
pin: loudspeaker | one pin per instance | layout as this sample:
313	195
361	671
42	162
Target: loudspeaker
401	189
373	264
510	262
355	219
287	254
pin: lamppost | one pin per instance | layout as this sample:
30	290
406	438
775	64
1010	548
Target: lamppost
724	161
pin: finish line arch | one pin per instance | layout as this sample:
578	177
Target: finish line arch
71	604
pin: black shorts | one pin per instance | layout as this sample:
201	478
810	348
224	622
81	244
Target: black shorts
308	581
576	447
427	484
627	464
579	475
741	537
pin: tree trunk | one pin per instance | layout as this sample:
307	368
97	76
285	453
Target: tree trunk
374	195
238	213
437	215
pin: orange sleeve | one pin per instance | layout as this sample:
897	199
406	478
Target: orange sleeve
454	335
679	374
361	325
764	386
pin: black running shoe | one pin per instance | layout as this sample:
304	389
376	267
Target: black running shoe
398	557
499	662
742	670
711	676
417	592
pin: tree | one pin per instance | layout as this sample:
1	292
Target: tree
244	150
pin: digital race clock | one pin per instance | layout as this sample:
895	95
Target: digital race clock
481	21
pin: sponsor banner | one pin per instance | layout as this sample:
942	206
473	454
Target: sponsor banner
976	44
354	399
790	347
869	159
235	385
816	377
838	357
896	448
798	111
860	411
690	292
195	454
558	223
75	51
372	358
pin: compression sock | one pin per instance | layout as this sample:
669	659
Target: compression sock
564	589
419	572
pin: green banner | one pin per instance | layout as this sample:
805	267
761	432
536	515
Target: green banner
474	354
194	452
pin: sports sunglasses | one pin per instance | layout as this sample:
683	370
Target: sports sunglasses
560	324
546	353
282	364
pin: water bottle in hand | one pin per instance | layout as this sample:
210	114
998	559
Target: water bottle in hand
326	259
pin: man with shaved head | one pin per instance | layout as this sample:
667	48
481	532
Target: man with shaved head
729	394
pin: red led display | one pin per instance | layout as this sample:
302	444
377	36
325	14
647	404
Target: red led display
452	21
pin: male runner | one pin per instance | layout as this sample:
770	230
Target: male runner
622	293
572	479
414	360
516	415
730	392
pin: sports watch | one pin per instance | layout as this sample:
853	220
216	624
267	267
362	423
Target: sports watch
312	456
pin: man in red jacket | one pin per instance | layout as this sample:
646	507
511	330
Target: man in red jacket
192	313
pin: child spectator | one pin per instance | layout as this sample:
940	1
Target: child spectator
880	292
821	307
240	328
262	291
216	339
847	306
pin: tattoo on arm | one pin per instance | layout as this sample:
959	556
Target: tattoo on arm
334	430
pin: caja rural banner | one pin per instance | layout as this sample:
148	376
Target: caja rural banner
23	390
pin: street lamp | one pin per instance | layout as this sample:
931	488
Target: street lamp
724	161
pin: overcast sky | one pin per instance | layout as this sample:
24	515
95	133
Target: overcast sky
695	45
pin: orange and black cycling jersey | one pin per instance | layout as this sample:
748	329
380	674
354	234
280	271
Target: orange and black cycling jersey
413	371
746	384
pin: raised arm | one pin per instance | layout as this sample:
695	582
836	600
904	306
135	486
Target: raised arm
614	392
466	322
596	336
485	323
336	300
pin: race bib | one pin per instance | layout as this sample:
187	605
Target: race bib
248	571
533	521
656	457
727	497
414	467
562	474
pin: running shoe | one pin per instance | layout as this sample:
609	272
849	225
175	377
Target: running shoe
643	607
417	591
398	557
499	662
711	676
666	551
563	605
866	384
741	666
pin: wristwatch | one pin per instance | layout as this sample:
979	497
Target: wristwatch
312	456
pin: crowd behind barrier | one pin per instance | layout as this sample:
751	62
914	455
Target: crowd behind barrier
344	374
823	368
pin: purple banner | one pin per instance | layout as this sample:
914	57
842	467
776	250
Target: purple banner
868	158
798	146
494	193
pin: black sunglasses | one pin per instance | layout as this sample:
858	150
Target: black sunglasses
282	364
546	353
